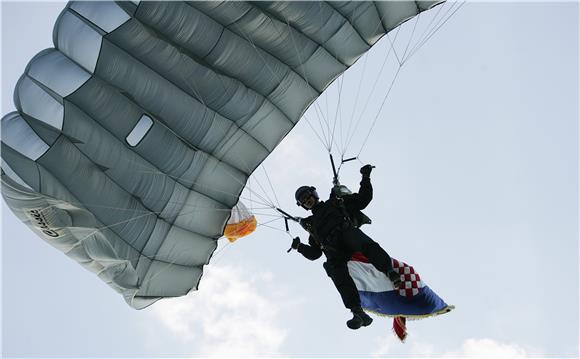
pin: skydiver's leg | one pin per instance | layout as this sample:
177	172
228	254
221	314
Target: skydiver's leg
338	272
357	241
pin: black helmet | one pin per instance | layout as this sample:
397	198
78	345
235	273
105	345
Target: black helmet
303	193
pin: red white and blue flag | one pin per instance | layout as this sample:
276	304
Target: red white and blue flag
413	300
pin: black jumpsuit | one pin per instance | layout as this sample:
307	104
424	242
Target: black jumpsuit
335	236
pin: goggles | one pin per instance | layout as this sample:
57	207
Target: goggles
304	195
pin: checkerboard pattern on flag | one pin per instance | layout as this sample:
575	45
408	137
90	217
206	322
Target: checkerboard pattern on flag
413	300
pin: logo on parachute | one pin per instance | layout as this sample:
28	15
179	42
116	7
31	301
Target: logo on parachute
39	221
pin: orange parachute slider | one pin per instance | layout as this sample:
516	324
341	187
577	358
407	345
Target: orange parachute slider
241	223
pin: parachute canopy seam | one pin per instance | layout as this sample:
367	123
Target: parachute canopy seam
97	168
166	124
45	88
380	16
352	22
246	39
232	122
219	74
149	210
88	22
100	125
300	32
81	202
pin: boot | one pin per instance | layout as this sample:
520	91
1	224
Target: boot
395	278
359	319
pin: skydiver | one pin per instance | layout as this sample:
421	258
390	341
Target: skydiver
334	231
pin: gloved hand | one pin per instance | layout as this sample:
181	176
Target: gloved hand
295	242
366	170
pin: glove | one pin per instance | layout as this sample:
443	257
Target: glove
366	170
295	243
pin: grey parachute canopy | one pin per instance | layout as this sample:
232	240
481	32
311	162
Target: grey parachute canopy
137	132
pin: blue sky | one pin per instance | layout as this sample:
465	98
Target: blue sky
476	185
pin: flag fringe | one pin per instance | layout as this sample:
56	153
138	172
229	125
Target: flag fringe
412	316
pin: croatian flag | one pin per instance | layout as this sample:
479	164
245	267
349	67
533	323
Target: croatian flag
414	300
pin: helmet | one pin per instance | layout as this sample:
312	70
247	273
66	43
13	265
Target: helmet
303	193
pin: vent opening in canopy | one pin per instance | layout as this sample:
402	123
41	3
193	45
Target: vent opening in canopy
139	131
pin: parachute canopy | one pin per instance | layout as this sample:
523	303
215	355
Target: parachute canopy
137	132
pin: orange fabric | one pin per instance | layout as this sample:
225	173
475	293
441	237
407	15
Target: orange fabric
241	229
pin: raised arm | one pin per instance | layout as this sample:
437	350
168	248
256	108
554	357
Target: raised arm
365	193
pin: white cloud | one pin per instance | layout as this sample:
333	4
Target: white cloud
470	348
390	345
421	349
487	348
227	317
384	346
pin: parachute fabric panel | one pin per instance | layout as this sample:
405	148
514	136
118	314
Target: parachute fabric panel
221	82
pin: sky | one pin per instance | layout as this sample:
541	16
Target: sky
476	186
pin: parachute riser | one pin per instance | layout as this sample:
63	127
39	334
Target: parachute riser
287	217
335	178
335	181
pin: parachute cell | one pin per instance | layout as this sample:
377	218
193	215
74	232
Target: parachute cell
136	134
